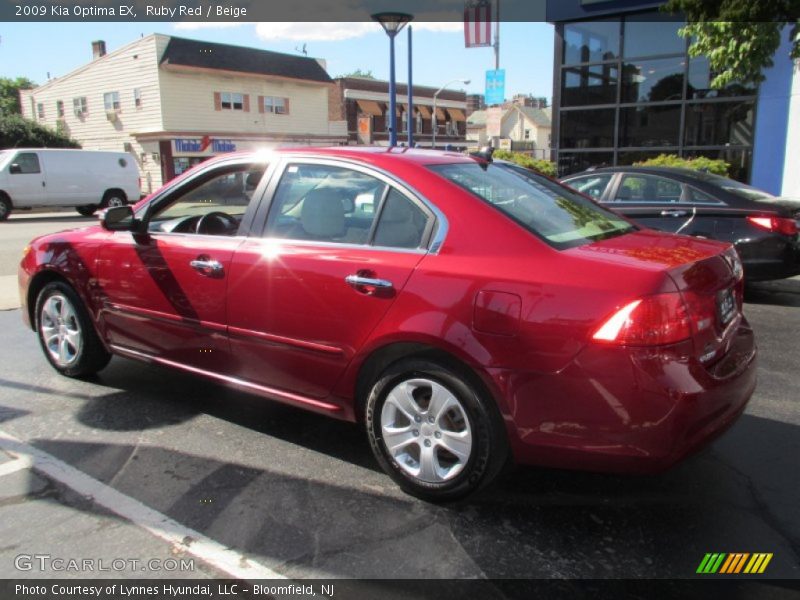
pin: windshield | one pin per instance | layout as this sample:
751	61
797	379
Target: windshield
561	218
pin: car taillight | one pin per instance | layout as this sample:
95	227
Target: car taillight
650	321
776	224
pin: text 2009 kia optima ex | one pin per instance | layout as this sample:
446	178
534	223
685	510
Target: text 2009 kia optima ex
466	315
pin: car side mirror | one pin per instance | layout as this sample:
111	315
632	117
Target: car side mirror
118	218
15	169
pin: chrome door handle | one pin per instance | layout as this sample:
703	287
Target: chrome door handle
206	266
674	213
358	280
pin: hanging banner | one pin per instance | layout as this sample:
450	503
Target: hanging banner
477	24
495	86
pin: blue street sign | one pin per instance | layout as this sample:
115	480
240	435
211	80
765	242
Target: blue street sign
495	86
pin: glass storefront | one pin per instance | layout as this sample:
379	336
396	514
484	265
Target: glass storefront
630	91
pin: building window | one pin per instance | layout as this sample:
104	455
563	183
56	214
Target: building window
587	128
649	126
137	97
40	110
652	34
593	41
719	124
419	123
700	76
657	80
79	106
60	109
451	128
589	84
527	134
111	101
232	101
276	105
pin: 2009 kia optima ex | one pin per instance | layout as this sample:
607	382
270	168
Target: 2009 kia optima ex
466	314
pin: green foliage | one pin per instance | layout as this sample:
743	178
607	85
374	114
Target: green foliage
545	167
699	163
17	132
9	94
359	73
739	37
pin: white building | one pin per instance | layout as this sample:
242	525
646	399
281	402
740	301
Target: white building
173	102
512	127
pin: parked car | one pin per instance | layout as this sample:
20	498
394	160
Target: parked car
85	179
463	314
763	228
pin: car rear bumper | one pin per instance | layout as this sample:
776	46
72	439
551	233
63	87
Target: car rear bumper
627	410
773	257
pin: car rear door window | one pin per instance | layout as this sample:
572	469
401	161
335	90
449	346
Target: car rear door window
401	224
325	203
648	188
591	185
697	197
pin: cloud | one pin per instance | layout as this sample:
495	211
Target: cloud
317	31
320	32
189	25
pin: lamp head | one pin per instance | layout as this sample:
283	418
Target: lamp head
392	22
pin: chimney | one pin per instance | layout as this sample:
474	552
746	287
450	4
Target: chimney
98	49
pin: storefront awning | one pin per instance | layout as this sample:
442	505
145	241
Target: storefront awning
369	107
440	116
424	111
456	114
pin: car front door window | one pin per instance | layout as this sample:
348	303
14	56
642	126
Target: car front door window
214	206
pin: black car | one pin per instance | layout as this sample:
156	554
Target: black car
762	227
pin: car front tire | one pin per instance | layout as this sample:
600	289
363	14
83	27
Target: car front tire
66	332
435	433
86	211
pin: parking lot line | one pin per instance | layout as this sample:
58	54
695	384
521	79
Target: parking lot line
188	540
18	464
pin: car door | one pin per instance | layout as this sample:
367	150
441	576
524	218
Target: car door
26	180
338	245
658	203
164	288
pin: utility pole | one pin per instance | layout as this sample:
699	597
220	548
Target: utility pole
497	36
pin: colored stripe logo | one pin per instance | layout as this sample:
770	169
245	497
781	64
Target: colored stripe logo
734	563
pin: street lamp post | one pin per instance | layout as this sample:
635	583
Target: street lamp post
435	120
392	23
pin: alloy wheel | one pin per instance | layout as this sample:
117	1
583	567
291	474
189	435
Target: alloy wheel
61	330
426	430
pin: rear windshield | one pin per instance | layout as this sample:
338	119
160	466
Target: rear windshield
561	218
734	187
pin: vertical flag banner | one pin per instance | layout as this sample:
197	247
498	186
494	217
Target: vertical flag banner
478	24
495	86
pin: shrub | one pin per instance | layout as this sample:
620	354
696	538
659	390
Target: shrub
700	163
545	167
17	132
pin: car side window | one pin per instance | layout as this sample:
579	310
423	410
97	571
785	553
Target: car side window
401	224
696	196
213	206
591	185
28	163
325	203
648	188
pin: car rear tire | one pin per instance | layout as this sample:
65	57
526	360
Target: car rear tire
86	211
66	332
5	207
435	433
113	198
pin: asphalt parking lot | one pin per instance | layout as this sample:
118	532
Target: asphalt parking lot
299	495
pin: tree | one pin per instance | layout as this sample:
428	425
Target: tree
359	73
739	37
17	132
9	94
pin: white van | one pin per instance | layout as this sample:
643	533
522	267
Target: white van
85	179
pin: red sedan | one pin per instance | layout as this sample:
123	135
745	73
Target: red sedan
467	315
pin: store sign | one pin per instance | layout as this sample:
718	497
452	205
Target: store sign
203	145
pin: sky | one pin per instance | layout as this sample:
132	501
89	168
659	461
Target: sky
526	49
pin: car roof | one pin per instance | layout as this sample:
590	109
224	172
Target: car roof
376	155
668	171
